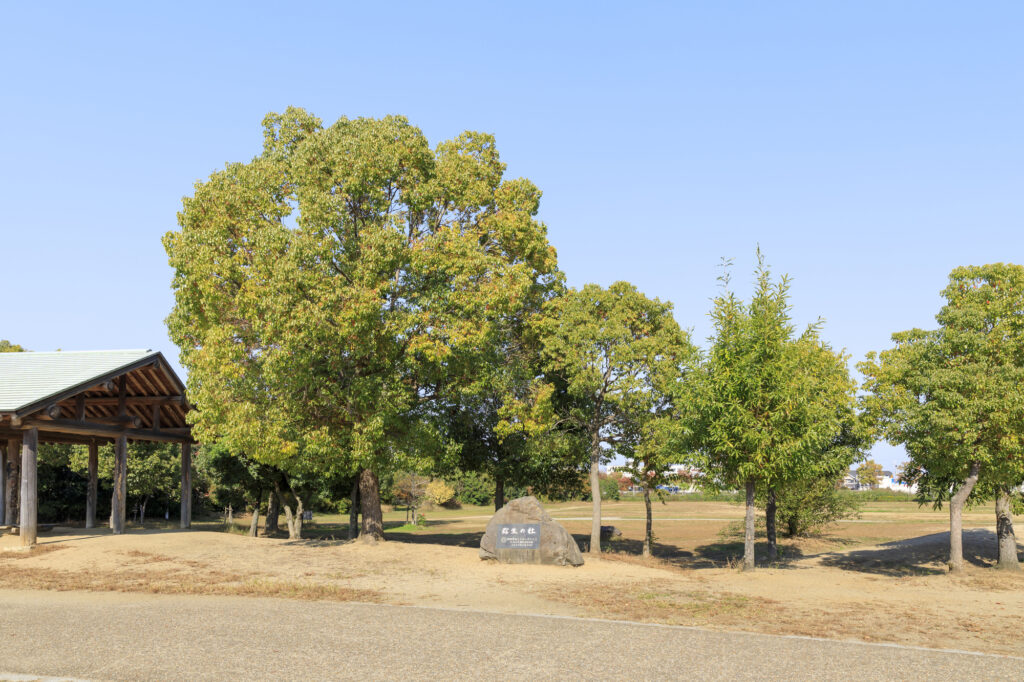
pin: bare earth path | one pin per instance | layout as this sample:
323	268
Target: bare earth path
142	637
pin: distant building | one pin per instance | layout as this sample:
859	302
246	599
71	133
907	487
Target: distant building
684	476
890	482
885	480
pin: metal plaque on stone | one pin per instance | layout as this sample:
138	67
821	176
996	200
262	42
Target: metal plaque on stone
518	536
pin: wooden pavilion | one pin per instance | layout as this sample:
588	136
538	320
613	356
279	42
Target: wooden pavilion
88	398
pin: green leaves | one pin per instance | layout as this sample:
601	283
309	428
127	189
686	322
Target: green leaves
955	395
620	355
336	292
766	406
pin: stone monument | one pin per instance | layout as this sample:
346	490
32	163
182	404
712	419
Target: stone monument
521	532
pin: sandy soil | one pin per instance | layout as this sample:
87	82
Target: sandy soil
892	592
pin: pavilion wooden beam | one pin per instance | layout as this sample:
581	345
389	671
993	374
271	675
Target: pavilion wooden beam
140	400
127	421
97	430
29	489
51	437
93	487
122	395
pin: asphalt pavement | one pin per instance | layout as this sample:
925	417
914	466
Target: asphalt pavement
116	636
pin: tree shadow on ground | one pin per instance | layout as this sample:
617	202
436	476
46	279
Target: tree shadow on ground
923	555
338	532
729	553
467	539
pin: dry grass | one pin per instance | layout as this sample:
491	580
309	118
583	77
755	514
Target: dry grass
879	579
15	553
141	573
665	602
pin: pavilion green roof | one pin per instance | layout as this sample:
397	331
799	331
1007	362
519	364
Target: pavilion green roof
29	378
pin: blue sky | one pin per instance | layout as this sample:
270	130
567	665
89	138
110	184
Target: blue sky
867	147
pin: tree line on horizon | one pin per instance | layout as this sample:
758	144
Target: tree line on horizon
352	303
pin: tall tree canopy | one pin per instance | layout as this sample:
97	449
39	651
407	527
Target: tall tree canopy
615	350
766	406
333	295
954	396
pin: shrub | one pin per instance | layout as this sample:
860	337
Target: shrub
439	492
609	489
808	506
474	488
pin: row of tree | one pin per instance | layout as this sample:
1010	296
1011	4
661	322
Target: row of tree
352	303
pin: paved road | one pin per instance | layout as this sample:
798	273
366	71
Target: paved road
143	637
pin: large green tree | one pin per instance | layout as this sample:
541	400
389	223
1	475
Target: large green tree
333	295
954	397
766	404
611	347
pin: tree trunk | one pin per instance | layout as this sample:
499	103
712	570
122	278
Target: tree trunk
294	521
270	526
353	510
748	533
230	517
254	525
595	496
956	517
1004	533
289	518
499	493
649	534
142	510
769	513
13	481
369	505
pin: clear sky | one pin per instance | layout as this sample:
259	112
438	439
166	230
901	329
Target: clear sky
867	147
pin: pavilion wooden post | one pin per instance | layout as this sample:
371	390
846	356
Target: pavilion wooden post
29	490
118	503
3	483
91	491
13	481
186	485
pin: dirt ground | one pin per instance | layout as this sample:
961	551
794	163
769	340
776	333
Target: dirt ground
879	578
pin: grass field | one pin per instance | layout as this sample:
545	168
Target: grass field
687	533
880	577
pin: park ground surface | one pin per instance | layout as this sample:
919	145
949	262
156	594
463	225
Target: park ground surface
879	578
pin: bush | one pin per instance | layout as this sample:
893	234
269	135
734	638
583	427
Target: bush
474	488
806	507
439	492
609	489
878	495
